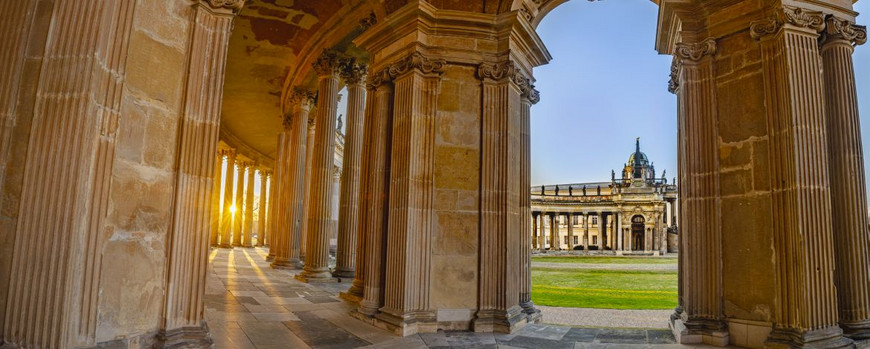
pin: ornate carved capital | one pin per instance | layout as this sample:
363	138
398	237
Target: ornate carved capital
695	51
791	15
416	61
248	164
302	97
532	95
353	72
496	71
234	5
837	28
674	82
265	173
329	63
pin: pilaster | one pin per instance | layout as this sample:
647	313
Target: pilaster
528	97
800	183
694	84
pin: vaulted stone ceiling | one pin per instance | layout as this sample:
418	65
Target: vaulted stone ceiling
274	42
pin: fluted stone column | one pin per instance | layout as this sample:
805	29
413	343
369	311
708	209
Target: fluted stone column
602	223
554	232
227	217
283	224
198	138
354	75
528	97
585	231
570	217
701	313
535	216
309	159
238	200
321	192
501	223
216	200
276	201
248	228
849	198
799	176
376	193
300	102
262	209
406	309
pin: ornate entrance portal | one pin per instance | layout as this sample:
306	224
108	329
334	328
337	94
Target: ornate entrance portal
637	233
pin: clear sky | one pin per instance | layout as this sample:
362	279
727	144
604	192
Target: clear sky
606	85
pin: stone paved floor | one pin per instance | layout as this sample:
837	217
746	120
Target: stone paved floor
588	317
249	305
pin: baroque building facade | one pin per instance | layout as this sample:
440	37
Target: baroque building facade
111	113
635	213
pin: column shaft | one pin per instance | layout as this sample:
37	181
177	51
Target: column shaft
261	208
585	232
249	208
227	216
318	215
309	161
849	198
378	130
806	312
216	200
238	200
570	217
277	202
348	216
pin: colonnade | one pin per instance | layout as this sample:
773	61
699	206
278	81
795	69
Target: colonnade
600	230
244	188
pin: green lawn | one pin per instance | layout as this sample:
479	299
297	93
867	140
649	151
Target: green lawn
610	289
605	260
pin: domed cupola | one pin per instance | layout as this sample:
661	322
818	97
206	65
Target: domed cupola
638	158
638	170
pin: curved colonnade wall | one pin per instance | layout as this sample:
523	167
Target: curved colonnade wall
111	118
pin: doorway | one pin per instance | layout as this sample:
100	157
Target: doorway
637	233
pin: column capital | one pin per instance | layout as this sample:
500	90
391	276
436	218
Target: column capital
232	5
695	51
838	28
303	97
793	16
415	61
353	72
328	64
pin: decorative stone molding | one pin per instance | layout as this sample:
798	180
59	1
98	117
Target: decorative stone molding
353	72
696	51
496	71
845	29
368	22
302	95
795	16
416	61
234	5
329	63
674	82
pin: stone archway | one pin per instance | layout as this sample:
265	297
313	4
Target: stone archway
638	233
108	164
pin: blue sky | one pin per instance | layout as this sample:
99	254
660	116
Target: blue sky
607	85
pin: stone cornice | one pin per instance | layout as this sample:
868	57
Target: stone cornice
837	28
796	17
353	72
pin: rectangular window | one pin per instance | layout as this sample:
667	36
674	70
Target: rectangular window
595	240
575	240
594	220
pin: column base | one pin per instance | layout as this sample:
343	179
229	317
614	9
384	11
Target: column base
186	337
857	331
247	245
341	272
225	246
355	293
406	324
533	315
504	321
368	308
830	337
280	263
698	331
315	276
